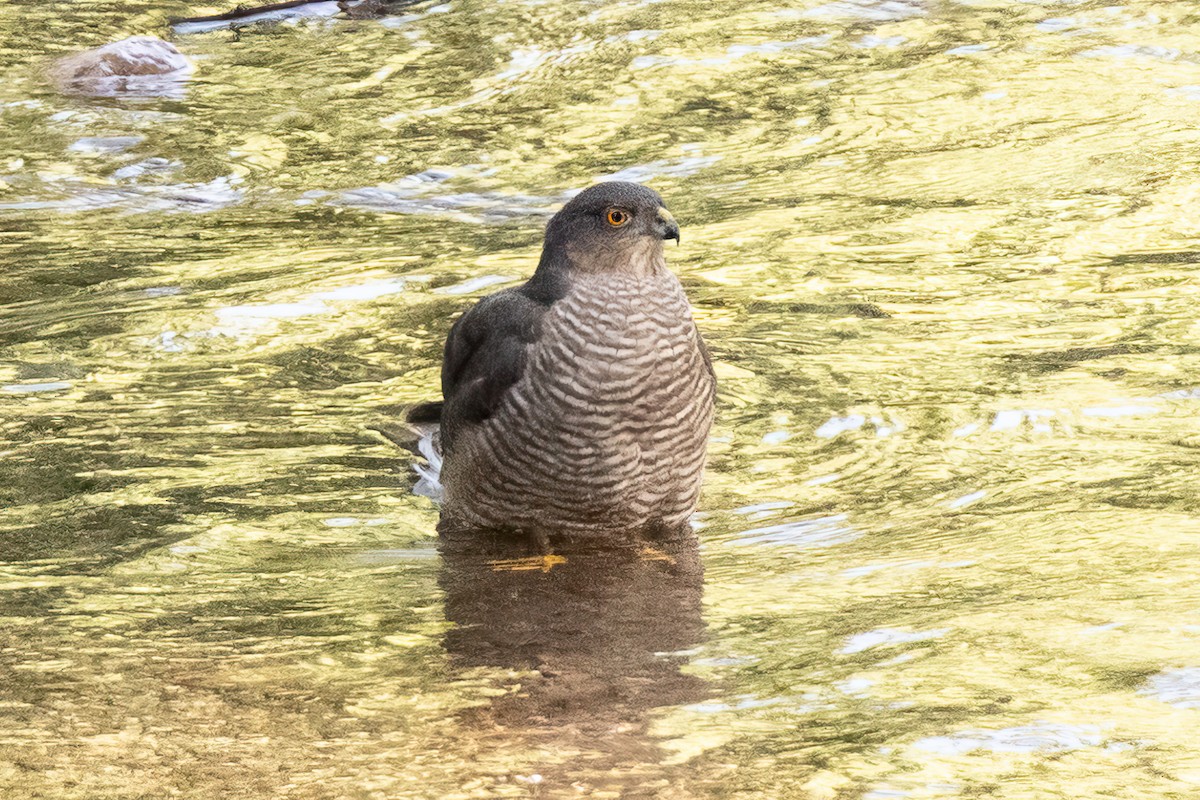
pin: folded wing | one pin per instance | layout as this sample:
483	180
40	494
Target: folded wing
485	355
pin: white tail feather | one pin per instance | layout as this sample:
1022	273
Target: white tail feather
429	473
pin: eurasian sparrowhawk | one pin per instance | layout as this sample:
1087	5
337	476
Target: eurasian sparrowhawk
580	402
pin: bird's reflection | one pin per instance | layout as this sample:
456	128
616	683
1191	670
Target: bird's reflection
597	630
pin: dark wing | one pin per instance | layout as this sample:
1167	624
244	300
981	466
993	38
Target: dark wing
425	413
485	355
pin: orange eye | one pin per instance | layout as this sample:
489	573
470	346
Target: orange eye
616	217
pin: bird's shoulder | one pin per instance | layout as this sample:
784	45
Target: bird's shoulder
505	315
486	352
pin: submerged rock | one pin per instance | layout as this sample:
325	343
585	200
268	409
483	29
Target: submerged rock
139	65
289	11
242	17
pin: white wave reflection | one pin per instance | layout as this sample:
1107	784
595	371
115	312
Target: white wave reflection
1136	52
677	168
1037	738
732	53
274	16
887	637
967	499
77	196
33	388
839	425
369	290
820	532
1176	687
425	194
1110	412
250	319
870	10
474	284
105	144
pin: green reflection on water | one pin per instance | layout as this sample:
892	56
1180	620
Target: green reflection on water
944	254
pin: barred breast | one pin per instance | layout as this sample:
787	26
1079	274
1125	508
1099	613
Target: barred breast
606	429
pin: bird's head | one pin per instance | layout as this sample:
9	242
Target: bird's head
616	226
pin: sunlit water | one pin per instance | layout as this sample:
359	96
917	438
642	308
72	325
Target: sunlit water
943	252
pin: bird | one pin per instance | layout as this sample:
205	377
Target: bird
579	403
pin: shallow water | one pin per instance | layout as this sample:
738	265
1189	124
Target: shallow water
944	255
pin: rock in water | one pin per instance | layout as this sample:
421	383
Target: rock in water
139	65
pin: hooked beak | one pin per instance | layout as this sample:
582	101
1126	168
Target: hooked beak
667	225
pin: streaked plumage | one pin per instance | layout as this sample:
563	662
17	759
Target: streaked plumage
580	402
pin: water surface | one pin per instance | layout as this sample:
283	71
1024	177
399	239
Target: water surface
944	254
